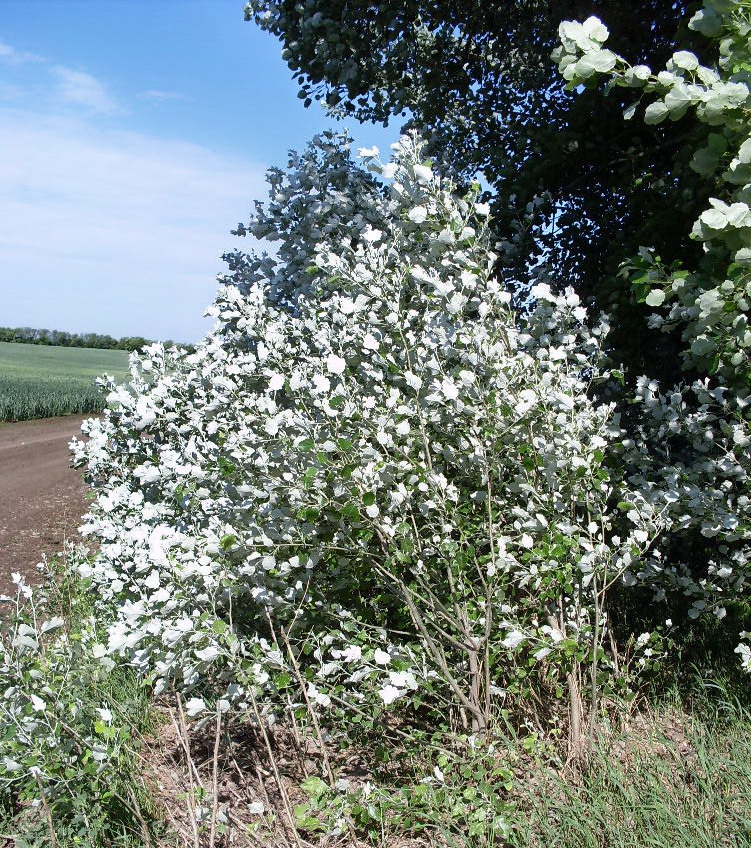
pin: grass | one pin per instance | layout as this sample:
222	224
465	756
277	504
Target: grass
673	775
673	769
40	381
673	778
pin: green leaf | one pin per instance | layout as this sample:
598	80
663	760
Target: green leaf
655	113
305	821
707	22
596	62
704	161
744	152
227	541
315	787
350	512
104	730
310	474
686	60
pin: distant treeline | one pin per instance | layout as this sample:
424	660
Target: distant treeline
61	338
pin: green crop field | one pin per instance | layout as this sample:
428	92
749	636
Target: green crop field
41	381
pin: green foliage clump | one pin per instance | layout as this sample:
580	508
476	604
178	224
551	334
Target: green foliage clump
706	298
70	727
572	190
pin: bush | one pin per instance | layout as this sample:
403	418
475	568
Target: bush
374	482
70	725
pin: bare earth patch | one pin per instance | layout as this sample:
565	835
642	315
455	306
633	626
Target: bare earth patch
223	771
42	498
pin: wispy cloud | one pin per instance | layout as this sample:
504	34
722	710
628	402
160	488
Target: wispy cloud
103	229
17	57
10	91
154	94
76	88
113	231
69	87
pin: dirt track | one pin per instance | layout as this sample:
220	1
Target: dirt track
42	498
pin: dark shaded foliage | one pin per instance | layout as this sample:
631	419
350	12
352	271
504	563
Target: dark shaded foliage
579	187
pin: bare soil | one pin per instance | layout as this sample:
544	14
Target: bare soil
42	498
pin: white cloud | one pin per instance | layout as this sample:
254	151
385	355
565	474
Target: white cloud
17	57
113	231
76	88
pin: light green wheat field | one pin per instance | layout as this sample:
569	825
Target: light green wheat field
41	381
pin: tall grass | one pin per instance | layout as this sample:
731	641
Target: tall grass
674	780
23	398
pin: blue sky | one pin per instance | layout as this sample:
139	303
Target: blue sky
135	135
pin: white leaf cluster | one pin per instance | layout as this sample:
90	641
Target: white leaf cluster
372	463
693	447
369	420
713	314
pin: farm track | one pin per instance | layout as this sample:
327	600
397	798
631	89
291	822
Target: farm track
42	498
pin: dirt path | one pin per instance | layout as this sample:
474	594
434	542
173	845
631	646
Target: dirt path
42	498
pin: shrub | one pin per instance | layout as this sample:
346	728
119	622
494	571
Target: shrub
70	725
375	481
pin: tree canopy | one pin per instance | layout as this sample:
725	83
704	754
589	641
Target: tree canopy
574	189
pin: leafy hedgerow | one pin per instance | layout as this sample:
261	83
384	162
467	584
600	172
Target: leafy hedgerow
373	464
380	499
376	485
696	439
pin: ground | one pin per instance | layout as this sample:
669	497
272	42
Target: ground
42	498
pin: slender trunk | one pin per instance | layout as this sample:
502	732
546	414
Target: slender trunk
574	699
593	669
479	718
574	713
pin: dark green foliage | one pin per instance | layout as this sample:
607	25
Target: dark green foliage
575	189
60	338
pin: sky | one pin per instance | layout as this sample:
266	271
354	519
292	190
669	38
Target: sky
135	134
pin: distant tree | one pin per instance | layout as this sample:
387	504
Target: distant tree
132	343
62	338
